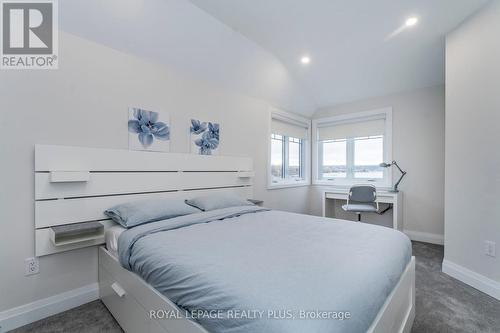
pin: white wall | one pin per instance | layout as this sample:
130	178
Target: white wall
472	200
85	103
179	34
418	147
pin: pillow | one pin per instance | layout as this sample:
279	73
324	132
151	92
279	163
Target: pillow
218	201
134	213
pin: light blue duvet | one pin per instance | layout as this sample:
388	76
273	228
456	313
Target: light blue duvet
285	266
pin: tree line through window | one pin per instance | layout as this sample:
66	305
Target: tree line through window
351	158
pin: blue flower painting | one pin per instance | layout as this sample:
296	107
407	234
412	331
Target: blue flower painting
213	131
198	127
205	137
148	130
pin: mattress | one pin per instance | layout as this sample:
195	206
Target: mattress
258	270
111	237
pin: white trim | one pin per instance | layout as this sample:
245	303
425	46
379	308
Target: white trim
351	117
355	116
277	186
328	185
43	308
294	120
425	237
291	118
476	280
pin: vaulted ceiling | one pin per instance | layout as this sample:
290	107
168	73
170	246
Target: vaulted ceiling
183	37
358	48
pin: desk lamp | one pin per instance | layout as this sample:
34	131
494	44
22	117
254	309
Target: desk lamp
403	173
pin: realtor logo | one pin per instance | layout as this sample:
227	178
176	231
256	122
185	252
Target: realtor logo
29	34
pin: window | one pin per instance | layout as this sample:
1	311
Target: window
277	156
295	159
350	148
288	150
287	160
368	154
334	159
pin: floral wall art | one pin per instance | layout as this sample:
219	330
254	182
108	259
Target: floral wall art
148	130
205	137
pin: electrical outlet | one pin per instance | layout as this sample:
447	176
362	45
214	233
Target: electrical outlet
31	266
490	248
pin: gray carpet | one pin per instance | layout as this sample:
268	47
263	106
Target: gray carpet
443	305
92	317
448	305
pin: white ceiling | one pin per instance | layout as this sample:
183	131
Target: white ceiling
254	46
353	55
183	37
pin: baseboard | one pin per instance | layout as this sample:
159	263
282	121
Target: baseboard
31	312
476	280
425	237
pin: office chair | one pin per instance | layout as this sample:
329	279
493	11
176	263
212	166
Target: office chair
361	199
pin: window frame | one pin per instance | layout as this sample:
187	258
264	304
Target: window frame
305	152
384	183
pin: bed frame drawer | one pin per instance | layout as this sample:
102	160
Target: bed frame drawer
138	298
131	315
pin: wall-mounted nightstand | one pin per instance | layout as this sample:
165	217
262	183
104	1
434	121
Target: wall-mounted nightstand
256	202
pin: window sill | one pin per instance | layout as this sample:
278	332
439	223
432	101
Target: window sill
379	186
287	185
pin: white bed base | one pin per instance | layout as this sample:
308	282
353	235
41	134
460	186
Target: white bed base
130	299
398	312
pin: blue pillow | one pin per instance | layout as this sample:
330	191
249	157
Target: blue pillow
134	213
218	201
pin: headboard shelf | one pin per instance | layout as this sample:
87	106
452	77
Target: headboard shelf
111	183
69	176
90	180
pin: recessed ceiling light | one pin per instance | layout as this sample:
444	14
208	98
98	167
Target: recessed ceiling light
305	60
411	21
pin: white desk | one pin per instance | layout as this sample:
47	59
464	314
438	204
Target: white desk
396	199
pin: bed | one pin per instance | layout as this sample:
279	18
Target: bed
155	276
281	267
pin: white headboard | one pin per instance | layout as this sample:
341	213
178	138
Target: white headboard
76	184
